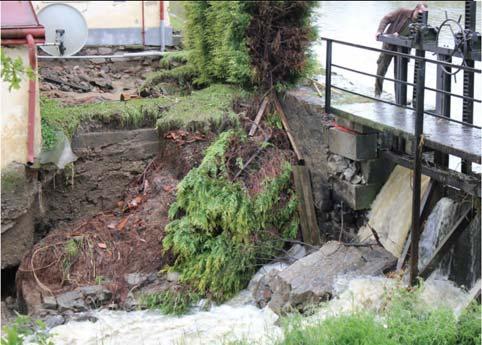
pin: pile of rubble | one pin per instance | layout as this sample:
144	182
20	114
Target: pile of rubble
85	81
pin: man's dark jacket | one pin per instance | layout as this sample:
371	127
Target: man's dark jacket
396	19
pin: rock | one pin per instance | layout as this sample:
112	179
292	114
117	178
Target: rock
6	314
349	173
98	61
172	277
311	279
95	294
49	302
259	284
105	51
136	279
130	303
357	179
295	253
71	300
54	320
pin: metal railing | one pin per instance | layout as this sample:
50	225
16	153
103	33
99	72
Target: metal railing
419	85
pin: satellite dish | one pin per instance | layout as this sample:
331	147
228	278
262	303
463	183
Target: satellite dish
65	26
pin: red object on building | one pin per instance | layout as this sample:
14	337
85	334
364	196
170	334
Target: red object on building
20	26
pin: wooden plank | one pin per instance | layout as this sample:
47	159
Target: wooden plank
447	242
284	121
423	215
261	111
306	208
468	183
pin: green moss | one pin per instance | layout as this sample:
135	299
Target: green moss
182	76
201	110
175	57
133	113
221	237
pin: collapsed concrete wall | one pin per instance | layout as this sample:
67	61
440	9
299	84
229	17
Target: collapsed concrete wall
343	158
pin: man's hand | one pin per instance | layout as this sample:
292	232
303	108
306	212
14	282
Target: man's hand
395	34
377	34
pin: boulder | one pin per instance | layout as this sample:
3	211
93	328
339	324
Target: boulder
71	300
311	279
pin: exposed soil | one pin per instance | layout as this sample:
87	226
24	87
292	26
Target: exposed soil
126	239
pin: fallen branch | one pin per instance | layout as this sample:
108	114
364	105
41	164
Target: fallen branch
261	111
258	151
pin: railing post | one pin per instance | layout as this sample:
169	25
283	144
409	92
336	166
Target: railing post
417	168
328	76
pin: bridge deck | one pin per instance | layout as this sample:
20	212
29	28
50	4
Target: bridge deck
440	134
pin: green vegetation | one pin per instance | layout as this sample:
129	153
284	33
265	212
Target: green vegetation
12	71
169	302
183	76
404	321
171	58
134	113
218	231
16	332
216	36
201	110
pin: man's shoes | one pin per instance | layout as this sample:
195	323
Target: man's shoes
377	95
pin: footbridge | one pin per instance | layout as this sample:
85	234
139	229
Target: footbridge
414	131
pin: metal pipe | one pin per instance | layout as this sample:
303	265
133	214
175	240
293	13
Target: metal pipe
328	77
390	52
161	23
143	32
36	32
127	55
32	92
20	41
417	170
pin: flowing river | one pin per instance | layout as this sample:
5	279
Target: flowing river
240	319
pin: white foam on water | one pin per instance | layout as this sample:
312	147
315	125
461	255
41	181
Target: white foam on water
219	325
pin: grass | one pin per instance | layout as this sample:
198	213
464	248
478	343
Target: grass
169	302
170	58
22	327
133	113
404	321
202	110
182	76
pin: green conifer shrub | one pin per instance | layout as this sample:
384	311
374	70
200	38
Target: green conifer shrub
221	233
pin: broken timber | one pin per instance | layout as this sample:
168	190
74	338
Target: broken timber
261	111
447	242
284	121
306	209
467	183
424	212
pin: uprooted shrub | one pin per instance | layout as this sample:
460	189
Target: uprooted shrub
223	229
259	43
